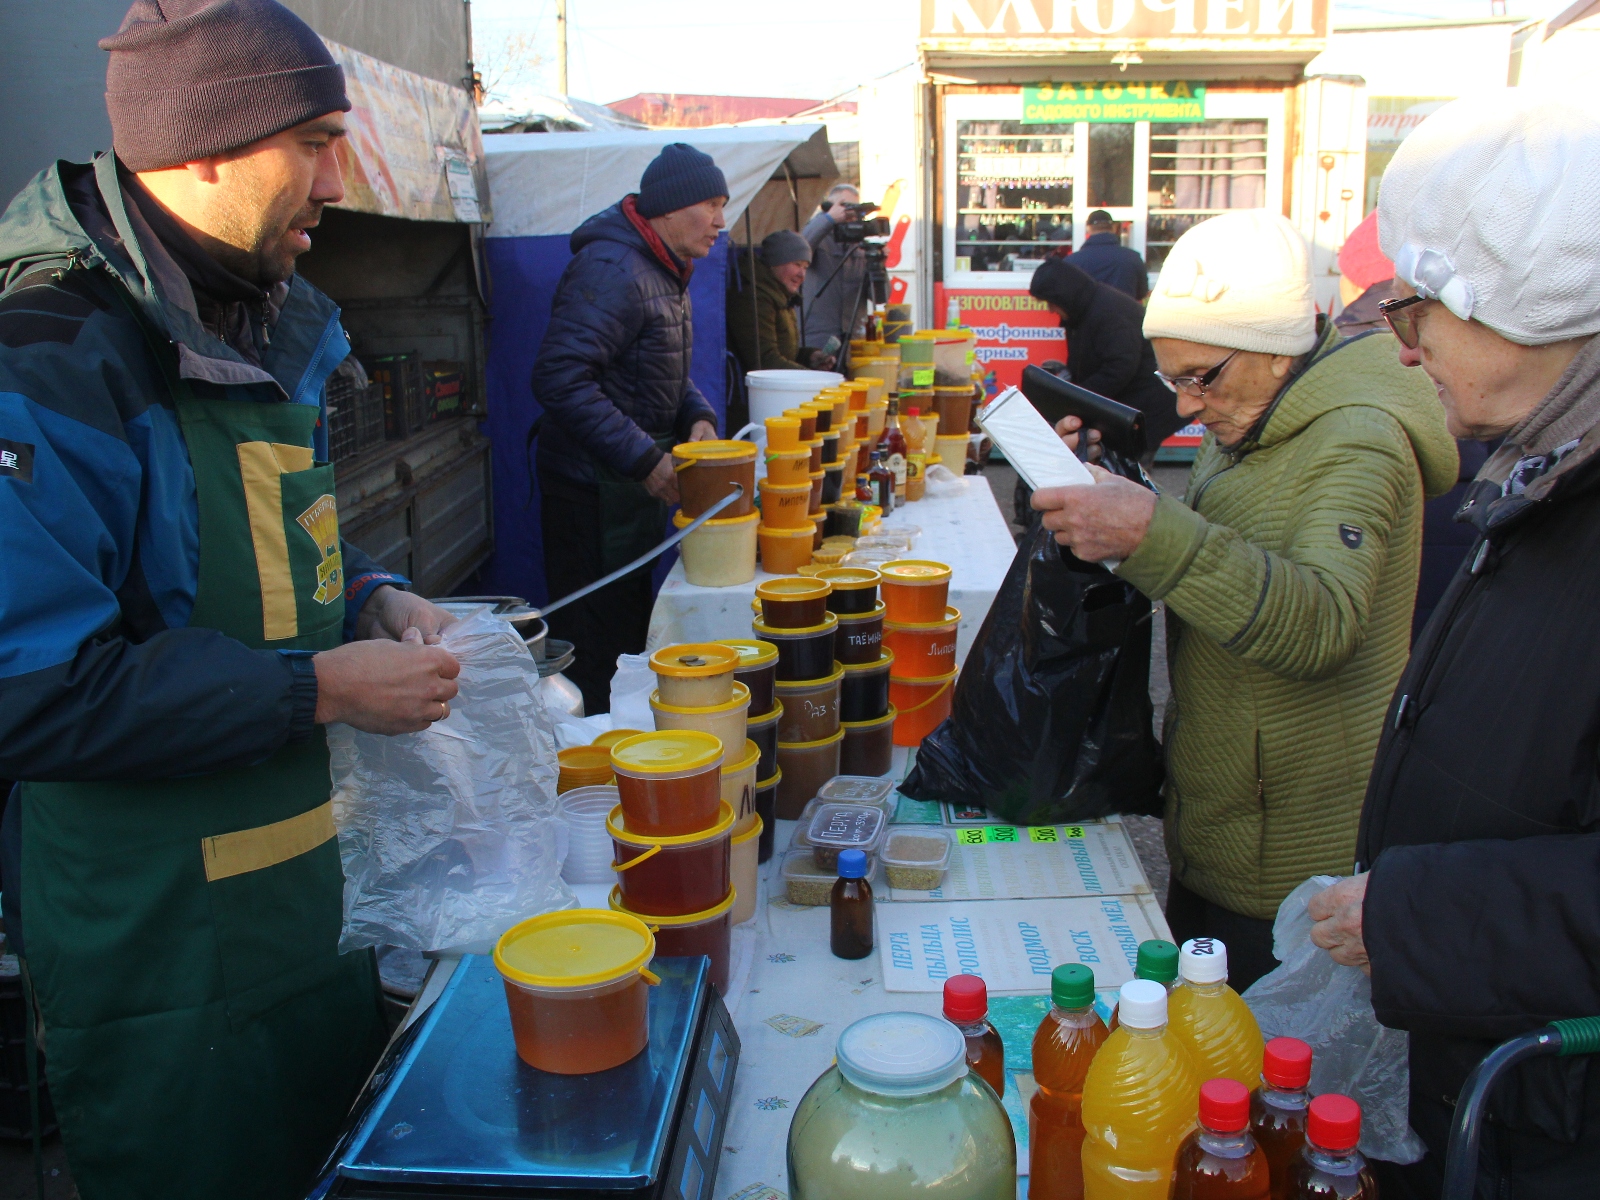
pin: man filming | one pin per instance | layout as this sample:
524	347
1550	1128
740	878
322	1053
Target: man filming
833	304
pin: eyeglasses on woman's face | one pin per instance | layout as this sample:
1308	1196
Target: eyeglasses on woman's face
1194	385
1401	313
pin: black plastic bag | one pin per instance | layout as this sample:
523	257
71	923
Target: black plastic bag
1051	719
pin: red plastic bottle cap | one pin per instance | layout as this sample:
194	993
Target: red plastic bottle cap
1224	1105
1334	1122
1286	1064
913	412
966	999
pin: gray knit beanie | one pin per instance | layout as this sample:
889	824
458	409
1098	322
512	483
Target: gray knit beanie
193	78
784	246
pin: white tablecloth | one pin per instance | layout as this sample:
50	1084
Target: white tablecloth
967	532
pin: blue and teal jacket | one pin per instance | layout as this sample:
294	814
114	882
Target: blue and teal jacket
100	675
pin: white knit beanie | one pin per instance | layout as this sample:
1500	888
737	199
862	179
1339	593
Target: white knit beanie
1492	206
1242	281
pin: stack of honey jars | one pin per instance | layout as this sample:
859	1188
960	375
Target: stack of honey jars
787	532
722	552
919	628
795	620
866	716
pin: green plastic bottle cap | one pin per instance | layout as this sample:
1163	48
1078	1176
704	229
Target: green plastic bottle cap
1072	986
1158	961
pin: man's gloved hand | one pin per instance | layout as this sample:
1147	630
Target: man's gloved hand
383	686
390	611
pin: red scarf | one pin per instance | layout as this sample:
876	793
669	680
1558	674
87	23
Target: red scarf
679	270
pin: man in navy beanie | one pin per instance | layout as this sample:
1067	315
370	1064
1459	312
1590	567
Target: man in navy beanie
182	620
612	378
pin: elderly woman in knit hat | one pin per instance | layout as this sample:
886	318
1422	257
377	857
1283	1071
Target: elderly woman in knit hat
1287	568
763	297
1478	915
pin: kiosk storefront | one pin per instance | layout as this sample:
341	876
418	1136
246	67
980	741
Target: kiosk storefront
1162	112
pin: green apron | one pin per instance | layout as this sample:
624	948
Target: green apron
632	521
204	1037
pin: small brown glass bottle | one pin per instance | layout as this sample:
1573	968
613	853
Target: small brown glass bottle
851	908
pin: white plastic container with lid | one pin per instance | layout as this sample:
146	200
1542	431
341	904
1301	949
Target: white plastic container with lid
859	789
900	1117
916	857
836	827
773	391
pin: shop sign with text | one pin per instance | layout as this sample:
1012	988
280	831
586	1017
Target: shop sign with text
1113	103
1136	20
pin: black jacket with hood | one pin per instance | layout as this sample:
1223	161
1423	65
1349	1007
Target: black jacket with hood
1106	348
612	373
1482	817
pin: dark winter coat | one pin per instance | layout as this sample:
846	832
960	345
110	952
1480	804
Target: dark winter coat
1106	260
612	374
763	326
1482	828
1106	348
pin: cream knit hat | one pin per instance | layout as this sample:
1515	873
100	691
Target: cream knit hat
1242	281
1492	206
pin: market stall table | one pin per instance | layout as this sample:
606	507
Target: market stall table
968	532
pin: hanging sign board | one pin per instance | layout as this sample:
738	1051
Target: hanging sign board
1113	103
1133	22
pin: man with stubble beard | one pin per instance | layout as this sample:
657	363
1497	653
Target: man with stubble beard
181	619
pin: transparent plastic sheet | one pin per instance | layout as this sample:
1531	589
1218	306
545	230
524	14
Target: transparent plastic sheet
450	836
1329	1007
630	693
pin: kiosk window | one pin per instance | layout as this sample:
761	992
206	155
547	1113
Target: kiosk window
1197	170
1013	193
1110	166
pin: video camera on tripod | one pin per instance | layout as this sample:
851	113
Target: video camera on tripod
860	224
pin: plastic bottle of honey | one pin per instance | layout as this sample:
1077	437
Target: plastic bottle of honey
966	1006
850	908
1063	1048
1220	1160
1138	1101
1330	1167
1208	1015
1278	1108
1157	961
916	456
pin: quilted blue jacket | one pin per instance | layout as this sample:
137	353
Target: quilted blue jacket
612	374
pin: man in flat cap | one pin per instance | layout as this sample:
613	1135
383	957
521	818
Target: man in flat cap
181	619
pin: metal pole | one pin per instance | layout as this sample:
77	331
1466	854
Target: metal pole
561	46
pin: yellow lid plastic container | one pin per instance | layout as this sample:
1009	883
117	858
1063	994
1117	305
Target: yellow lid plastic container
716	449
915	571
695	674
751	652
667	751
574	949
612	736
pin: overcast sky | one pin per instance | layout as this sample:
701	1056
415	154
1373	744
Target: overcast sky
774	48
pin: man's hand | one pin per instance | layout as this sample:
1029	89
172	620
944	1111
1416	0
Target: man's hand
1337	913
822	362
1108	520
1067	430
703	431
389	612
662	482
385	687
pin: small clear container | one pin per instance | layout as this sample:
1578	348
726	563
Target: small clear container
836	827
916	858
806	883
858	789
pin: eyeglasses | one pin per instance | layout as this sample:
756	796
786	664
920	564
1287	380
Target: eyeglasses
1194	385
1403	323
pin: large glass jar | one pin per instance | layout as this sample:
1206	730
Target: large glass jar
899	1117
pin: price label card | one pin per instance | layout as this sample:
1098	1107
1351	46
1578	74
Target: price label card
922	377
1044	833
997	862
970	837
999	833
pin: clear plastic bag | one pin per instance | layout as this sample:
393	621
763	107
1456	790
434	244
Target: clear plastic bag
1329	1007
630	693
450	836
942	481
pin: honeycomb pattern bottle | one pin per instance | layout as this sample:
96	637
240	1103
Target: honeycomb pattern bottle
1138	1101
1209	1017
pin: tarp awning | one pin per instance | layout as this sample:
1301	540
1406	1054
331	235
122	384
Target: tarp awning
550	183
413	148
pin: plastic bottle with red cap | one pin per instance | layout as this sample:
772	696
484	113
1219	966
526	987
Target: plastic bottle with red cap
1220	1160
1330	1167
1278	1108
966	1006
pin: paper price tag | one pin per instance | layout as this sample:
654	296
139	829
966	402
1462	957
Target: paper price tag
970	837
1000	833
1043	833
972	356
922	377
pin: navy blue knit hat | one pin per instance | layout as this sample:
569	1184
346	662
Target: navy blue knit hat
679	176
193	78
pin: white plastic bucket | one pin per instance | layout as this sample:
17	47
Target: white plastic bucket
773	391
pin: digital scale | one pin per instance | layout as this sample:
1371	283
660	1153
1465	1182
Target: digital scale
452	1112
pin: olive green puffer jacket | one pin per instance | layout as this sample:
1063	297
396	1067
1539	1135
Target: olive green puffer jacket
1289	571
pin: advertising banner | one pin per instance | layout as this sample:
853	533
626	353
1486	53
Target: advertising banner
1136	21
1113	103
1013	330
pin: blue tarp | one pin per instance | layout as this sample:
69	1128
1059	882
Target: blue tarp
523	272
